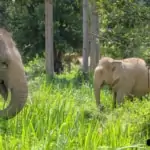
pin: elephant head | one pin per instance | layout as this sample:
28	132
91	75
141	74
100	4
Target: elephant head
12	76
103	73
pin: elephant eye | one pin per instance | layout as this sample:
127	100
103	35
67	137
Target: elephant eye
113	69
4	65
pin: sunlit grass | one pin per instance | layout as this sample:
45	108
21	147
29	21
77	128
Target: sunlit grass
62	115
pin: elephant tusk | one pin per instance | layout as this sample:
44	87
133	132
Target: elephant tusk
115	82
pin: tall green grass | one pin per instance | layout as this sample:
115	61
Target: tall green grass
61	115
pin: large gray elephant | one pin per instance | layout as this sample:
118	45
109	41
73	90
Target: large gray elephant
12	76
124	76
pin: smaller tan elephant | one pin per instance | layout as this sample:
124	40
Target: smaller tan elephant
126	77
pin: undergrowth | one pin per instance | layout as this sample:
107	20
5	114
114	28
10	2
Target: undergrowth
61	114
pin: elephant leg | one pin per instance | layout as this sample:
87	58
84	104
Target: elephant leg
114	99
120	97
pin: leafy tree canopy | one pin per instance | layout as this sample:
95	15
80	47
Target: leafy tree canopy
124	26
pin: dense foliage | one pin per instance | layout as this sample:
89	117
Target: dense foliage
124	26
26	20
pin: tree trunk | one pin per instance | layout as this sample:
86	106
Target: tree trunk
49	37
94	54
97	38
85	36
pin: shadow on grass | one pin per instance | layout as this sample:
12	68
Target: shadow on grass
79	79
3	126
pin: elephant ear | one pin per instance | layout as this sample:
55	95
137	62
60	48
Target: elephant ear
100	70
116	64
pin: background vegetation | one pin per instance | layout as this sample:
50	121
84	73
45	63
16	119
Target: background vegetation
124	26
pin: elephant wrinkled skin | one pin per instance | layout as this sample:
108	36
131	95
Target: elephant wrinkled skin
12	76
126	77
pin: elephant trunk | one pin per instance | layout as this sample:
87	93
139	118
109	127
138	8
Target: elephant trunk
98	82
18	99
97	95
97	92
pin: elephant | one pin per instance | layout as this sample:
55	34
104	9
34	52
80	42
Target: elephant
109	71
12	76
